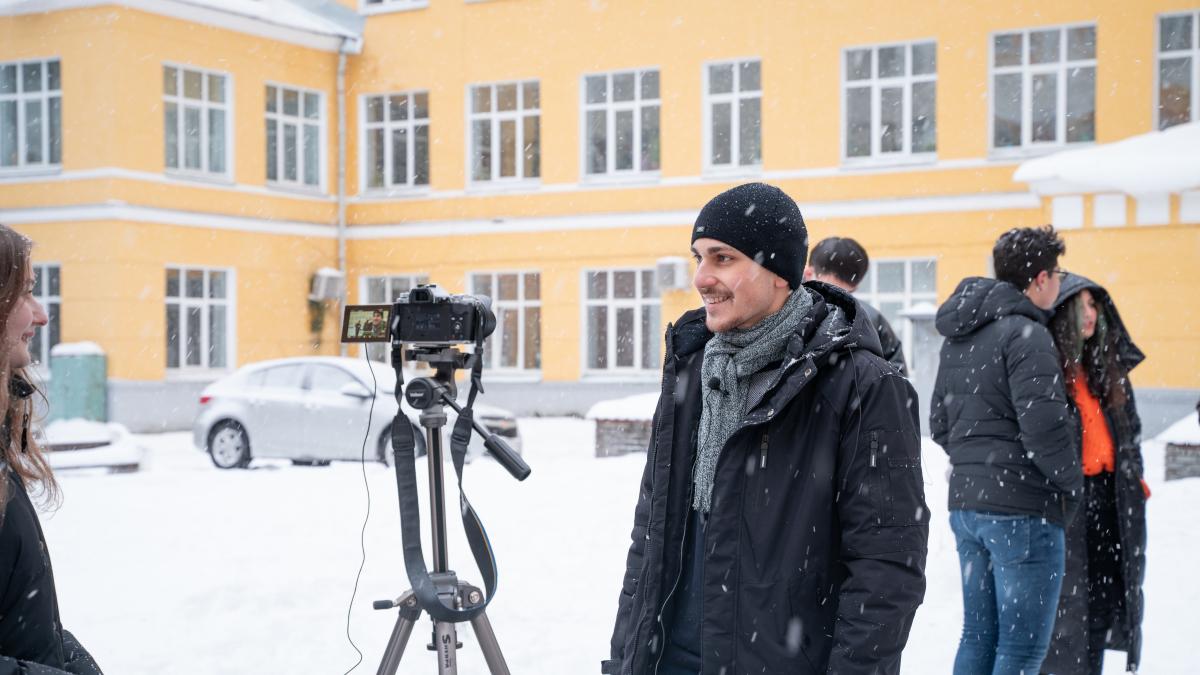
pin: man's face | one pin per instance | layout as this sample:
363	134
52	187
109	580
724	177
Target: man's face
737	291
376	318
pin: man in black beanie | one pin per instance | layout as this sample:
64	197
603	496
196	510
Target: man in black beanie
781	525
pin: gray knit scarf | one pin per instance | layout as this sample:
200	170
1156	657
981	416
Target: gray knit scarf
731	358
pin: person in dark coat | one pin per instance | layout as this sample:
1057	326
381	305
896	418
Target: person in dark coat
999	410
781	525
32	639
843	262
1101	603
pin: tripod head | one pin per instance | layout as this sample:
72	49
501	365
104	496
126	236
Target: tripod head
426	393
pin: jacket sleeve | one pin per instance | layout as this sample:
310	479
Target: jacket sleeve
884	530
11	666
1048	429
939	418
79	661
633	564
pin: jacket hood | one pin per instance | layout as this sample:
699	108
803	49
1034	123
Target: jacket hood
833	323
979	301
1072	285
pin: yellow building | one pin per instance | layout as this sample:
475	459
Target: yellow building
179	165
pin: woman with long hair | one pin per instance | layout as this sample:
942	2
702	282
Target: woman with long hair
32	639
1100	606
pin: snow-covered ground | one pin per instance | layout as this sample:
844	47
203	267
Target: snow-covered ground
183	568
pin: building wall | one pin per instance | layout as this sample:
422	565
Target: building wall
114	218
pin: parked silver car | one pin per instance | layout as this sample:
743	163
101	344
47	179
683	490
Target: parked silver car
313	410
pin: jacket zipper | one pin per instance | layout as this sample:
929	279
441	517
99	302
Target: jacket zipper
762	464
675	584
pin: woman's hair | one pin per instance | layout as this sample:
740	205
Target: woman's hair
19	451
1098	355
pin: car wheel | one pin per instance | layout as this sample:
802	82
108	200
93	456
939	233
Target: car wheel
228	445
384	452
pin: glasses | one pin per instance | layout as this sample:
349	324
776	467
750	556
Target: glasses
1062	274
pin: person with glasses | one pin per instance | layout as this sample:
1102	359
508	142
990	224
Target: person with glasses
1000	411
1101	603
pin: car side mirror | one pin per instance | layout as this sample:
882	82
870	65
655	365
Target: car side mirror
354	390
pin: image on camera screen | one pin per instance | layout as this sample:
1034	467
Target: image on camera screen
366	323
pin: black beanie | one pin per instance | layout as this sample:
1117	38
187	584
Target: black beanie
761	221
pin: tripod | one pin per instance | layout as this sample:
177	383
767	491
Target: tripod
430	395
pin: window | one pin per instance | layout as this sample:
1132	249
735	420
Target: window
47	289
379	290
620	118
891	101
733	112
30	115
199	318
622	321
896	285
505	131
517	302
1178	78
293	137
1044	87
386	5
195	121
397	140
329	378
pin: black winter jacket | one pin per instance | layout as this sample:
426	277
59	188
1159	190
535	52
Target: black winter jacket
1068	645
816	541
32	639
890	346
999	407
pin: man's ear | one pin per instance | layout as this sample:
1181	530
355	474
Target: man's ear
809	274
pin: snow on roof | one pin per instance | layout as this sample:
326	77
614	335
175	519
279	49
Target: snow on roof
1184	432
635	408
325	17
77	349
1154	163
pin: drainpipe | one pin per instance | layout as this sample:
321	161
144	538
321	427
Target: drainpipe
341	181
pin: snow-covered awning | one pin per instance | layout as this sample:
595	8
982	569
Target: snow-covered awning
1159	162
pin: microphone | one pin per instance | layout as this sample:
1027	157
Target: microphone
715	384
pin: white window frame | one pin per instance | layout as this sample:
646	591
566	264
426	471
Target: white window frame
494	117
1027	70
876	83
279	117
366	7
495	345
636	303
204	302
44	96
869	293
733	98
388	126
205	105
610	108
52	304
379	351
1159	55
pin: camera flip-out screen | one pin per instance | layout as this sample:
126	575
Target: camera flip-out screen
366	323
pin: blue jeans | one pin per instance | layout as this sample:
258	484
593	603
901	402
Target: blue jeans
1012	571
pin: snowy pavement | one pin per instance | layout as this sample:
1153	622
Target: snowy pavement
183	568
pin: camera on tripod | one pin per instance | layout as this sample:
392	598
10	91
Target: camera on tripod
427	316
427	325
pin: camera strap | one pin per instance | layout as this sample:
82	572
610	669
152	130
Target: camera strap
404	447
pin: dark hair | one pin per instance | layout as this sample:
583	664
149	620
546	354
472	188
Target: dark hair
19	451
1023	253
842	257
1098	356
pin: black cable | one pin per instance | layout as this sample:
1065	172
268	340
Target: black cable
362	537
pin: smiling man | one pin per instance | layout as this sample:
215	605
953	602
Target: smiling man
781	525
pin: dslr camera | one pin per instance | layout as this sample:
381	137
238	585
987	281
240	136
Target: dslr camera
426	316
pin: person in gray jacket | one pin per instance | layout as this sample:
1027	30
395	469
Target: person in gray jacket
843	262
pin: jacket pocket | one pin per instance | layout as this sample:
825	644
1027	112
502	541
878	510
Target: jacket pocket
771	631
900	490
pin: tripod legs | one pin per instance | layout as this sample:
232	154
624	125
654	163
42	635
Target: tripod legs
445	637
